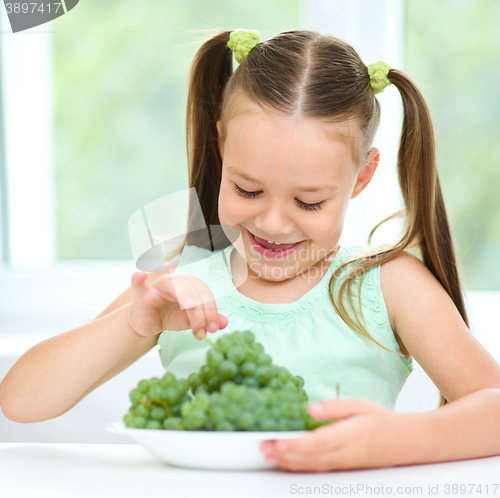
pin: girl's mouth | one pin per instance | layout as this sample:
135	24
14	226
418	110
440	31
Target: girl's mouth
271	249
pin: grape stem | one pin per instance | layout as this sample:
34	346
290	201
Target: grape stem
151	402
197	333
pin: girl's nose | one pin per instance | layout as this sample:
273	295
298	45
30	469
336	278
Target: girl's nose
274	221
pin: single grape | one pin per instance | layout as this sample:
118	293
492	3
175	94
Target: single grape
153	424
143	386
172	423
182	387
216	414
195	419
139	422
227	388
206	372
236	354
158	413
275	383
135	396
224	425
172	395
263	375
250	382
223	343
247	369
263	359
214	357
248	337
297	424
214	383
284	375
300	380
203	388
194	381
141	410
245	420
176	410
232	411
227	369
169	379
186	408
155	392
201	401
237	338
127	419
268	424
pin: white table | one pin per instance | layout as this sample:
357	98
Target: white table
129	471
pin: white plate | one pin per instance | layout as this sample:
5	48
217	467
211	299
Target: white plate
217	450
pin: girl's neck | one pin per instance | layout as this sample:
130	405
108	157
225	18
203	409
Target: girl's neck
308	277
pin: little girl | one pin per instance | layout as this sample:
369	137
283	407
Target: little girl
276	150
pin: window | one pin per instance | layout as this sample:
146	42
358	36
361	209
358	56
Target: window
94	114
460	84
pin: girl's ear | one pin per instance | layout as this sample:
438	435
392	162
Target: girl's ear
219	130
366	173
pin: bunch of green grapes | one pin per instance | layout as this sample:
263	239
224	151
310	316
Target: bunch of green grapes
238	389
238	358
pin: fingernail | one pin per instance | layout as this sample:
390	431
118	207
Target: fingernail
316	409
199	333
213	327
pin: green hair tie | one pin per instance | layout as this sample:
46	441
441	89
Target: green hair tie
378	72
241	41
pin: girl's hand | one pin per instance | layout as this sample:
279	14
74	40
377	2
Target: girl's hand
365	435
157	306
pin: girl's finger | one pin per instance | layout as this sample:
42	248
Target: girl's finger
137	280
325	438
209	307
319	462
193	301
179	289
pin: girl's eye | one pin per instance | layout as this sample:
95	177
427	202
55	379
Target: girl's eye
303	205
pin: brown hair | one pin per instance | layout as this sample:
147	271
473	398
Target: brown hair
318	76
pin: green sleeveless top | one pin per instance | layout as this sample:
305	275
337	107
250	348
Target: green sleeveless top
308	336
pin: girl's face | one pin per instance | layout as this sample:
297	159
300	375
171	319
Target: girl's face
287	180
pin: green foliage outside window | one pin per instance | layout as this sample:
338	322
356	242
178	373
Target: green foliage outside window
453	53
121	72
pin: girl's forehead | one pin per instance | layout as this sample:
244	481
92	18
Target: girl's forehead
274	134
246	115
271	153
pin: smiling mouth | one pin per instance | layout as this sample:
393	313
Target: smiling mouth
273	246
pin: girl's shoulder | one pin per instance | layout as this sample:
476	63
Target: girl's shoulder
384	285
406	281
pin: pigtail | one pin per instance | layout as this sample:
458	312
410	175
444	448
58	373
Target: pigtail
209	72
426	225
426	219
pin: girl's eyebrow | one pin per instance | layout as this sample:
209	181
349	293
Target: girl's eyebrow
311	188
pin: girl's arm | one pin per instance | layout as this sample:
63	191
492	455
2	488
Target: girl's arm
56	374
367	435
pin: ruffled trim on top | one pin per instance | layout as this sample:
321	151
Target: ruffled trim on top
271	312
